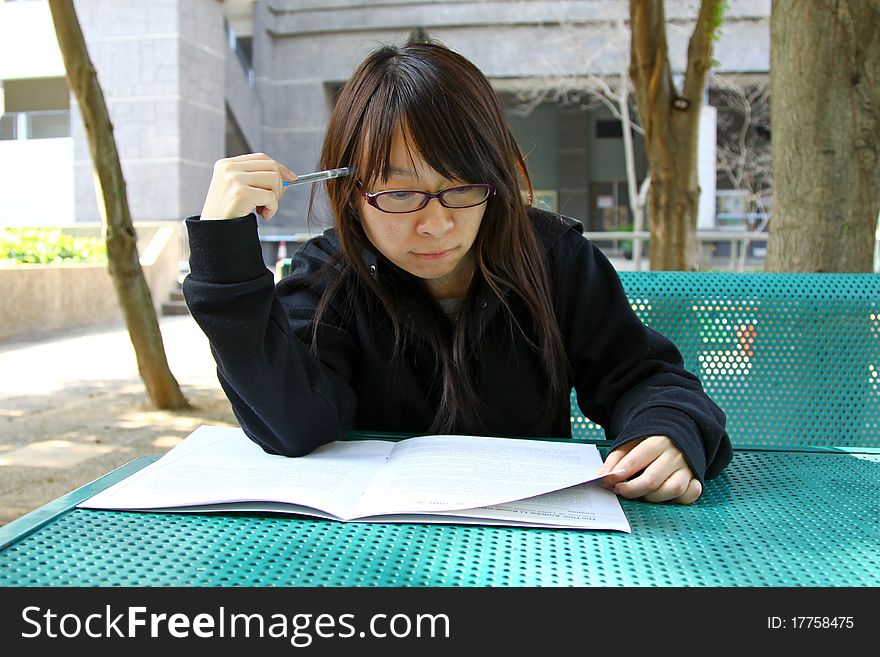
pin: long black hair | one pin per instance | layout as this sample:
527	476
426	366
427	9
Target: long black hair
452	117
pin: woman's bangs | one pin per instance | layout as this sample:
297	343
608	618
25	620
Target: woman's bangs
447	141
372	151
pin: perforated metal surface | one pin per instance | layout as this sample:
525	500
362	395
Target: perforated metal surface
771	520
793	359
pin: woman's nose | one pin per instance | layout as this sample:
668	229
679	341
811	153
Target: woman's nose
434	219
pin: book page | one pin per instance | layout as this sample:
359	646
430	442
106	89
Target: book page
444	473
252	507
218	464
457	479
586	506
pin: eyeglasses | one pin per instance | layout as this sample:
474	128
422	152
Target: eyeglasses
399	201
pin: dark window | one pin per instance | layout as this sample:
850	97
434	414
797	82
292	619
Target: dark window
609	129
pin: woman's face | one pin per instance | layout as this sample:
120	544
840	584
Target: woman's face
434	243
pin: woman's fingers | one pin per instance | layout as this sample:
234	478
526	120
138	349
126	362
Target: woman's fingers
240	184
266	202
612	460
692	494
264	163
268	180
654	469
651	476
674	489
636	456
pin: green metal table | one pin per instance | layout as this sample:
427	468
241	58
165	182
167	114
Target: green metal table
773	519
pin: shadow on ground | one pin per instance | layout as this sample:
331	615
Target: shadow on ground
54	442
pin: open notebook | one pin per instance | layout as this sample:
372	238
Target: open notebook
442	479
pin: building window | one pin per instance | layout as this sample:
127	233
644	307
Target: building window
242	46
609	129
35	109
7	127
35	125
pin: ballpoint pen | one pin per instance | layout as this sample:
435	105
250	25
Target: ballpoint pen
320	175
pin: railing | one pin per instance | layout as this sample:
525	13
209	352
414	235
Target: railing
739	241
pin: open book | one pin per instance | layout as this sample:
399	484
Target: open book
446	479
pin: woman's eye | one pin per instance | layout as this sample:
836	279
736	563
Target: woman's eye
399	196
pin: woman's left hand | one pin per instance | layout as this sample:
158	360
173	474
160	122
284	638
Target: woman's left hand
656	470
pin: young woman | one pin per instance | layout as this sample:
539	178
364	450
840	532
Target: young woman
440	302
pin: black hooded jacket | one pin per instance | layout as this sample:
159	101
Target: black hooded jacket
627	377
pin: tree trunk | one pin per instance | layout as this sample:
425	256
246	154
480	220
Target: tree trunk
131	288
635	199
671	123
825	113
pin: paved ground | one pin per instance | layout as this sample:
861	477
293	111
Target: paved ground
72	407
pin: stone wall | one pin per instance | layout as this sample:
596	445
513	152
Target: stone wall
38	299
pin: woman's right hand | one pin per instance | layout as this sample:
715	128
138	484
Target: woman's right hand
245	182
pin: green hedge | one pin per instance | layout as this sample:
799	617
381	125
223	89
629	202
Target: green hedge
35	246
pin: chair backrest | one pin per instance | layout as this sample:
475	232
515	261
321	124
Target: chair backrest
792	359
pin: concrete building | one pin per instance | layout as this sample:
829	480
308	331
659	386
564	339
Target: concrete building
189	82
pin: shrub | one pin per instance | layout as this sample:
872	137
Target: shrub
37	246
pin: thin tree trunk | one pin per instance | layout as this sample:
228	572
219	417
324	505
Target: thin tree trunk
635	199
671	123
131	288
825	109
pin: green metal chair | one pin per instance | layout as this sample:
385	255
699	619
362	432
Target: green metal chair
794	360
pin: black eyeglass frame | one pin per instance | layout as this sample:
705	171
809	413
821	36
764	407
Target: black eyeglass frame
426	197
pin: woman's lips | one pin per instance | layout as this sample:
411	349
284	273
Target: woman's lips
433	255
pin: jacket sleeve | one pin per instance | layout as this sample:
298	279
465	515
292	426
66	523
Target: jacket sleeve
629	378
286	399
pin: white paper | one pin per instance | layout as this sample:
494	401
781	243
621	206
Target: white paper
443	473
465	479
219	464
587	506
